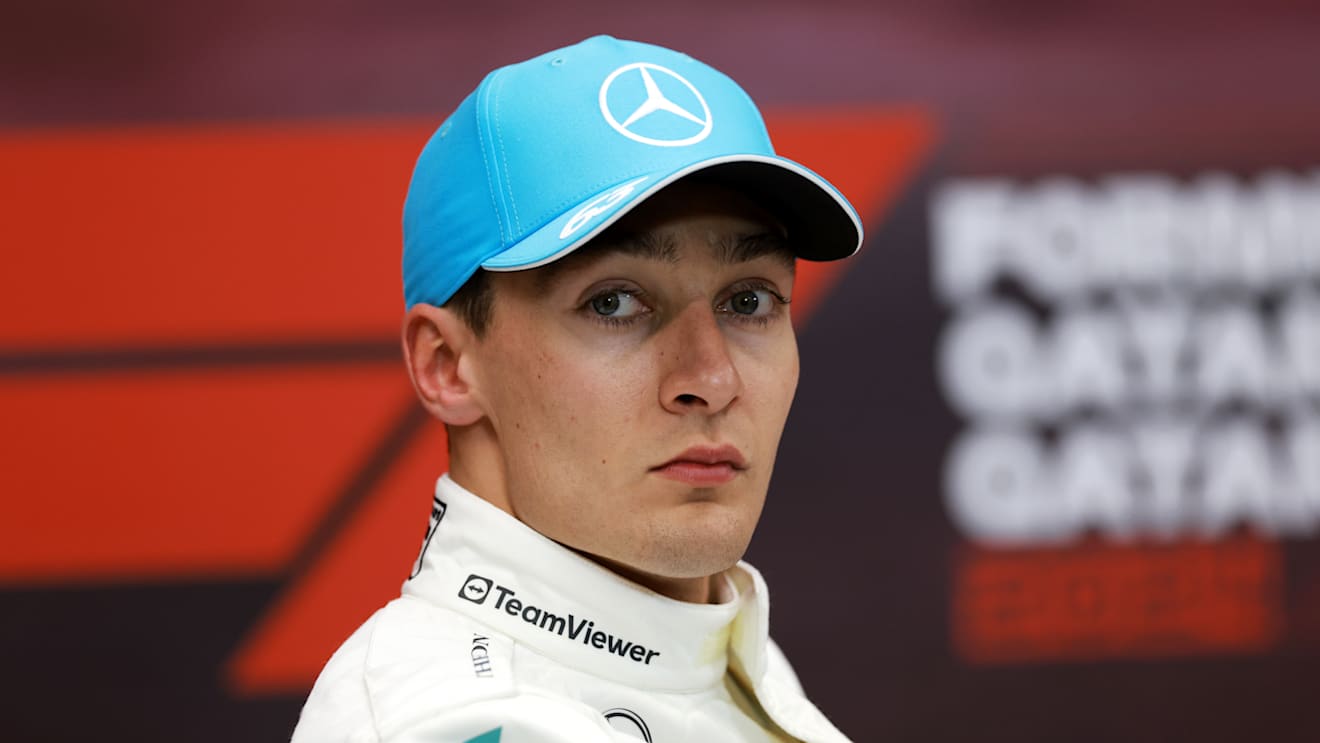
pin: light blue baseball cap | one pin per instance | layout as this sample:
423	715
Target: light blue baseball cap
547	153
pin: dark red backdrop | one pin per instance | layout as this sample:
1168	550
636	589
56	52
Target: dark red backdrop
214	468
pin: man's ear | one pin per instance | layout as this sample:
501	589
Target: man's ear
437	346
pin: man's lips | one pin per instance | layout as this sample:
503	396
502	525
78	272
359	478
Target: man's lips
704	466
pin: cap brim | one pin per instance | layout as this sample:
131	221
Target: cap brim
821	224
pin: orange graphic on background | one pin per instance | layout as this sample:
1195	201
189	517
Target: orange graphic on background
199	473
197	345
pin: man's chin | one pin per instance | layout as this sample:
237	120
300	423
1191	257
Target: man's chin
689	554
698	548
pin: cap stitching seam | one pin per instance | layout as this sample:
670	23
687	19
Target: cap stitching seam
508	181
485	161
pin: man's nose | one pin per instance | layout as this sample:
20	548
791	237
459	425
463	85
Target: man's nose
699	373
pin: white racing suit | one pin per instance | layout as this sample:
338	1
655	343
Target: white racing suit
504	636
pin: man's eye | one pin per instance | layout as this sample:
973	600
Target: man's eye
605	304
750	302
745	303
616	304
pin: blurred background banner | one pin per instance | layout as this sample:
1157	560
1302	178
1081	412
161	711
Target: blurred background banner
1053	471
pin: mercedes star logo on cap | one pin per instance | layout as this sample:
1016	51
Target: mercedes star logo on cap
681	125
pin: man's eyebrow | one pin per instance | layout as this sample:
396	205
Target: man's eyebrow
749	247
729	250
661	247
649	245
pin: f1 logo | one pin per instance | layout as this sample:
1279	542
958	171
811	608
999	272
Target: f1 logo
475	589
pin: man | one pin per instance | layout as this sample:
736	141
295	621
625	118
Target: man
598	261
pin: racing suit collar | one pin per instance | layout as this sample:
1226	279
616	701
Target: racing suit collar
485	564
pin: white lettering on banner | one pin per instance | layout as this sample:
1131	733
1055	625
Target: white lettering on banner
1059	238
1082	362
1159	332
989	362
1160	479
1299	332
996	362
1136	357
1163	451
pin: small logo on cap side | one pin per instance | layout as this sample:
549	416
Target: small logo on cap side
597	207
652	80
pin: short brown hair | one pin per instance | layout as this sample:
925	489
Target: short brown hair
474	302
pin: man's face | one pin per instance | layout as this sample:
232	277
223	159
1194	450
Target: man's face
635	391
